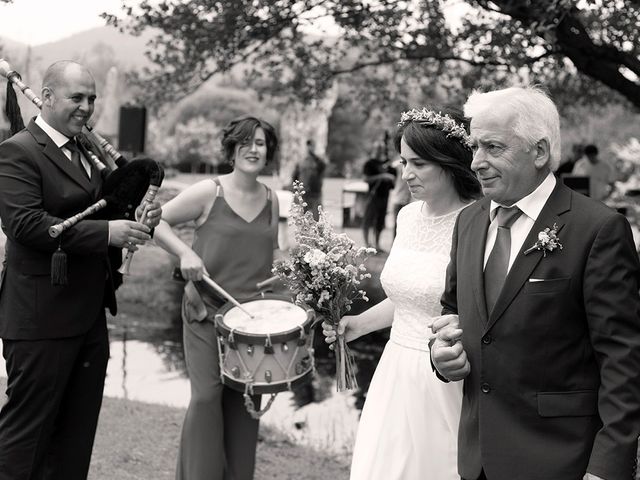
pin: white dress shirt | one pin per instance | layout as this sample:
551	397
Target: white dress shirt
531	206
60	140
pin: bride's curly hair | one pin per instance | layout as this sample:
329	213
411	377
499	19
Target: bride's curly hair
436	145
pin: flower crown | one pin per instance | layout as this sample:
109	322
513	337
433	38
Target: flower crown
439	121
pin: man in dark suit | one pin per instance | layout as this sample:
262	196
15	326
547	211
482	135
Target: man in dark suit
55	336
546	295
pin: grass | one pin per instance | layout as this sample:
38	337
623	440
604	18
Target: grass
139	441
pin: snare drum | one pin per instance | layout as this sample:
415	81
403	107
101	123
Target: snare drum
269	353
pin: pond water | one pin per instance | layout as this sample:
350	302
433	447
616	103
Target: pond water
147	364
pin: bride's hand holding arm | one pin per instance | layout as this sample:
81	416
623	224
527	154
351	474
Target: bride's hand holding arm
354	326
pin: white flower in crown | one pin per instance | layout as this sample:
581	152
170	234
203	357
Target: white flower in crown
437	120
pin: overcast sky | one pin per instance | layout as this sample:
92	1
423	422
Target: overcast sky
35	22
41	21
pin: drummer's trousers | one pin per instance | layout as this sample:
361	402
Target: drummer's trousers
219	437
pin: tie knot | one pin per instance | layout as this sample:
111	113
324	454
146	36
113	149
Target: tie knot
507	216
72	146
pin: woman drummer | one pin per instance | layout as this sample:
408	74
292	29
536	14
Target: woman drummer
235	240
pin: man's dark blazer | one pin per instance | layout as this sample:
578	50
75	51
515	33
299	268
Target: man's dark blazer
554	388
40	187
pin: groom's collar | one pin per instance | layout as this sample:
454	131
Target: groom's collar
532	204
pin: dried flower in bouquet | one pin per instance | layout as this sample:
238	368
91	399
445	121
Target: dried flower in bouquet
325	271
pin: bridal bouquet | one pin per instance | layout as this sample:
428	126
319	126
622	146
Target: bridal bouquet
324	271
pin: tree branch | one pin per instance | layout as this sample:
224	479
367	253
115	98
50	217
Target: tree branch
601	62
388	61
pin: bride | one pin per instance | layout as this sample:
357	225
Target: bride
409	424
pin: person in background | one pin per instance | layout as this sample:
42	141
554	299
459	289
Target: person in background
599	172
566	167
380	178
54	337
235	241
310	171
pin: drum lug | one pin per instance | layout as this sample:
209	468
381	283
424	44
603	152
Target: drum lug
303	338
267	376
250	350
235	371
268	347
231	341
284	347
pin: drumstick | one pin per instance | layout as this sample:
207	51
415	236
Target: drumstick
270	280
267	282
224	293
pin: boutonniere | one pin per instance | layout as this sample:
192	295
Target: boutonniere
547	241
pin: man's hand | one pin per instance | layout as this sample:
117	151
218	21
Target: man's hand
153	215
448	355
127	234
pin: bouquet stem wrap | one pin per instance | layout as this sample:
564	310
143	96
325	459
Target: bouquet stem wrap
345	366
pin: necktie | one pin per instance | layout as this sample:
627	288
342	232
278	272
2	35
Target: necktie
75	155
497	266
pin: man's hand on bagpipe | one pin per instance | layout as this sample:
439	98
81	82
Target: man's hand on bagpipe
128	234
151	217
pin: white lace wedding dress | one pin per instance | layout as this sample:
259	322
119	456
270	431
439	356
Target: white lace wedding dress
409	424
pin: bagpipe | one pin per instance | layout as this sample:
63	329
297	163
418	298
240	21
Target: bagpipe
126	184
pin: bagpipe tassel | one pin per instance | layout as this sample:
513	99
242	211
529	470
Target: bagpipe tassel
12	110
59	267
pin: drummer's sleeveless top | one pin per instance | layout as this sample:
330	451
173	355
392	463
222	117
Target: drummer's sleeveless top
236	253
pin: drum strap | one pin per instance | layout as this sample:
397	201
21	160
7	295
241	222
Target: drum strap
251	408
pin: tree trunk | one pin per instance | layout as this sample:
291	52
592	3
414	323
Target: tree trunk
300	122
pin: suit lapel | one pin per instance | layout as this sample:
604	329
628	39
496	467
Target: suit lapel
55	154
558	203
479	226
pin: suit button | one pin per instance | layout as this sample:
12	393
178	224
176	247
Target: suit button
485	387
487	339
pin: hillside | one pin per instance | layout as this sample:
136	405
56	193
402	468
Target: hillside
129	50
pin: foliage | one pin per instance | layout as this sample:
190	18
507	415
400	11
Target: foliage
629	151
192	143
218	105
348	133
588	48
601	127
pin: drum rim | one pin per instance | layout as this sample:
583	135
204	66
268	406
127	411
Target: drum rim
259	338
260	388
